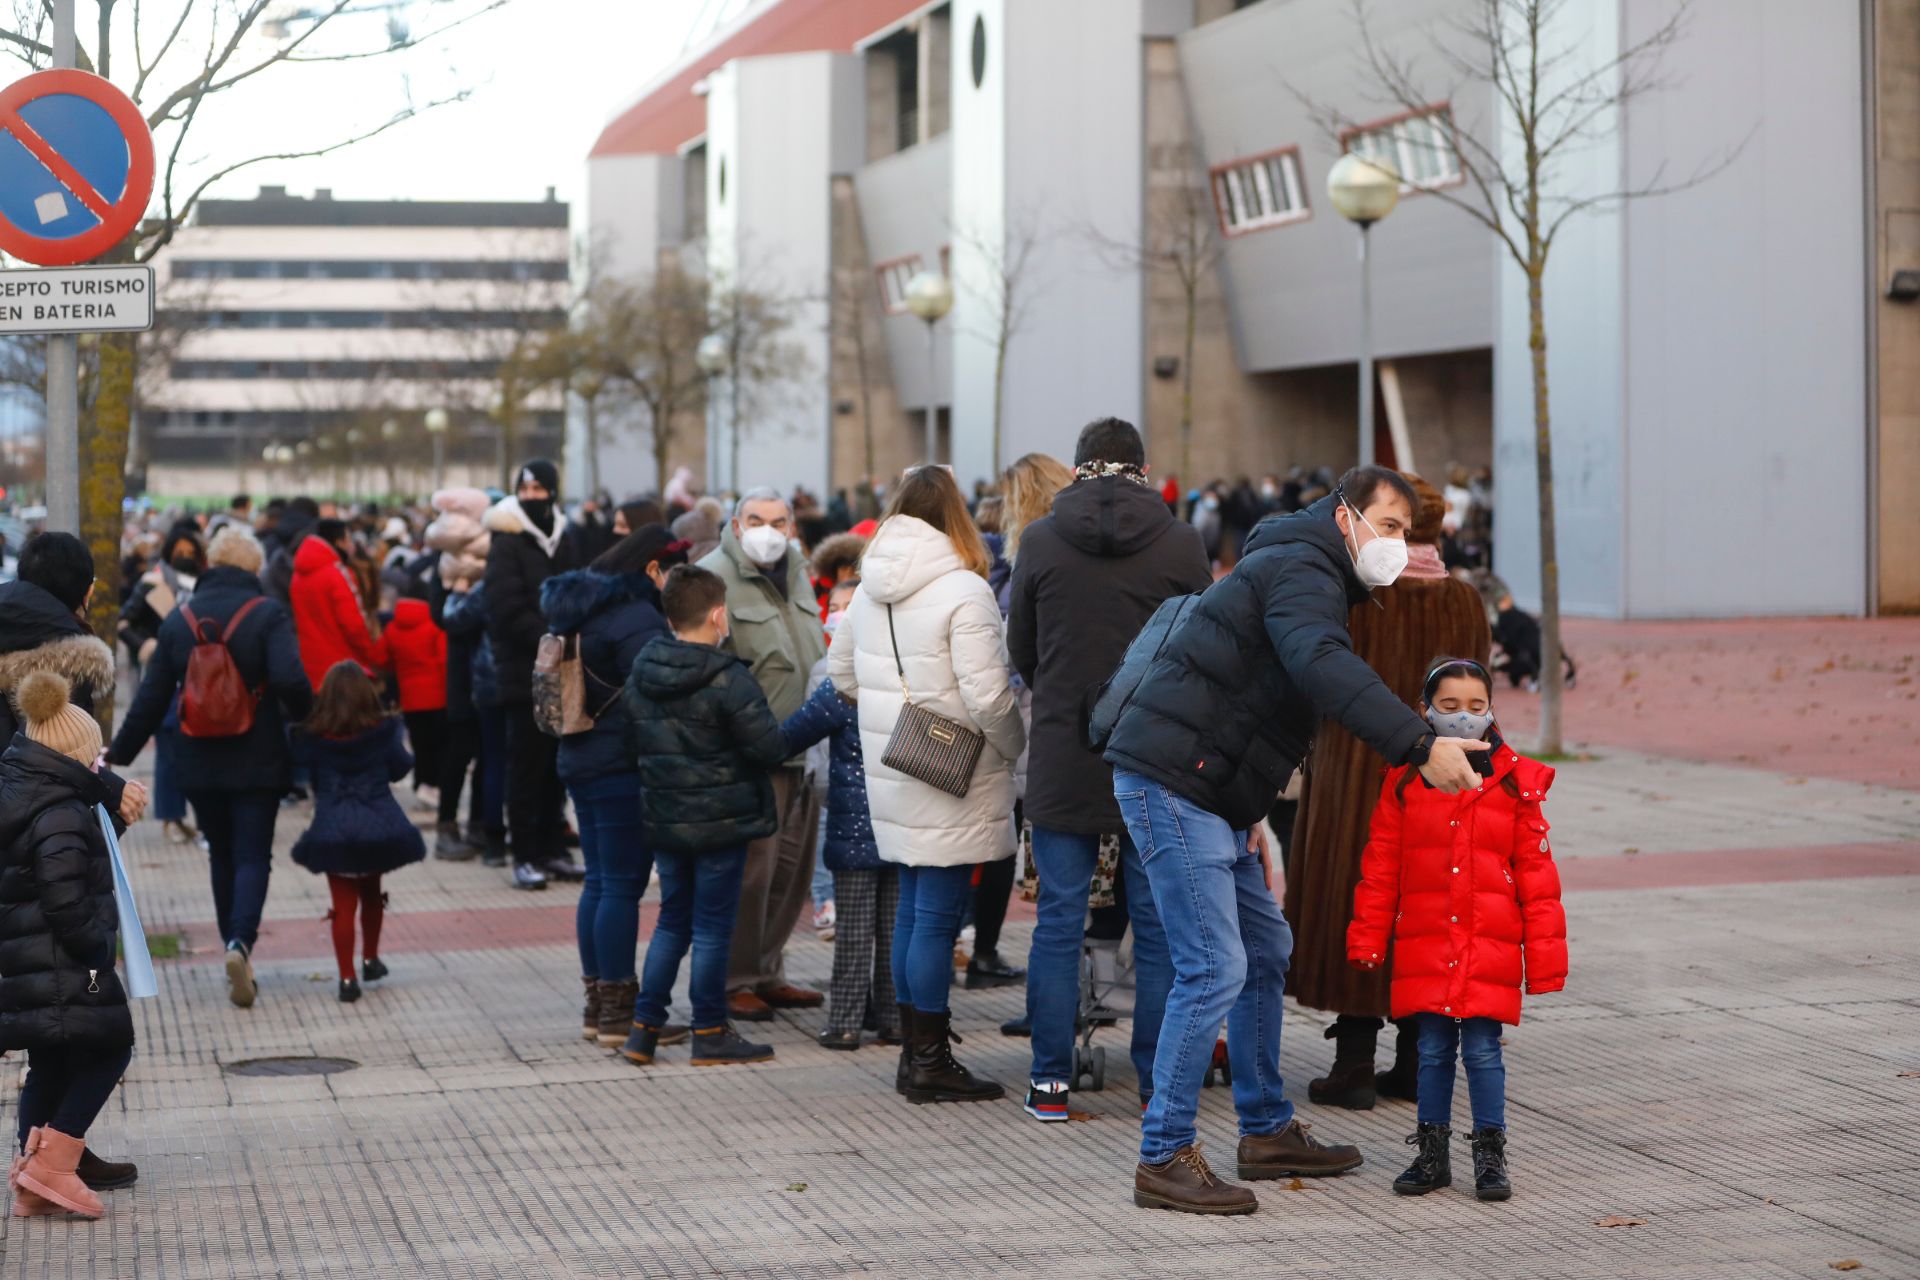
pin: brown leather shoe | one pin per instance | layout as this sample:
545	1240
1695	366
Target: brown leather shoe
1187	1185
744	1006
1293	1153
788	996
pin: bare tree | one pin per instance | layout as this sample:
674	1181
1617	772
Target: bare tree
1551	99
1007	289
640	336
761	363
1179	239
187	58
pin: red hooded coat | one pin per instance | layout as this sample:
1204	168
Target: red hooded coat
416	652
1465	888
326	612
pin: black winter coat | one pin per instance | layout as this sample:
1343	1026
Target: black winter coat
1227	712
57	915
615	616
268	656
850	845
517	565
276	576
358	828
38	633
706	742
1087	579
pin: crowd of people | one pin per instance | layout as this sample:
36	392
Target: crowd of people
1108	686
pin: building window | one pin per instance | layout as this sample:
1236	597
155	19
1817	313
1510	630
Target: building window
894	275
1260	191
1419	145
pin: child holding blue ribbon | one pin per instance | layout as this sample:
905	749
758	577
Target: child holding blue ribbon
60	998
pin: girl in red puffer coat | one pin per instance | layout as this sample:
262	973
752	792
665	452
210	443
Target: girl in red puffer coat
1465	889
415	650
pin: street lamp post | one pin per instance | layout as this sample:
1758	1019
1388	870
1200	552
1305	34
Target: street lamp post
587	384
930	296
354	437
437	424
713	357
1364	190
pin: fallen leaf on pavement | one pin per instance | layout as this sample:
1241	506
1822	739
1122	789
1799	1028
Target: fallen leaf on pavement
1294	1184
1081	1116
796	1186
318	977
1908	1075
1618	1220
1846	1264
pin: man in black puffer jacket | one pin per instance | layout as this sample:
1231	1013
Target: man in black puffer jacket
1217	725
1085	580
706	743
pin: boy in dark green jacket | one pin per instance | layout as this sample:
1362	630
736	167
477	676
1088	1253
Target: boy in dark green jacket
705	740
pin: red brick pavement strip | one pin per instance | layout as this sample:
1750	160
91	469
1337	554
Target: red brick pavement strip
508	928
1810	697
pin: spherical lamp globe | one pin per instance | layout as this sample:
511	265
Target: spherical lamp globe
1364	190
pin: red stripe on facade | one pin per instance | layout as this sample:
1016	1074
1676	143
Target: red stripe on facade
670	116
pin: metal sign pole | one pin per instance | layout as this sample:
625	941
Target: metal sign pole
63	359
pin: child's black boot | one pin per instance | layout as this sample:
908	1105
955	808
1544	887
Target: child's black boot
1432	1166
1350	1083
1490	1165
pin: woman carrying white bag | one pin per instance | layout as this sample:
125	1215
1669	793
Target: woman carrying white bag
60	998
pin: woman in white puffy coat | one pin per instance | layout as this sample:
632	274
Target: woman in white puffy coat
927	566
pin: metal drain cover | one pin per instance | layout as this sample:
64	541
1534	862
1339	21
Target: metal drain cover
290	1066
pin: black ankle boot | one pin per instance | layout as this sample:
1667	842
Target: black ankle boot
906	1049
1402	1080
934	1075
1350	1083
1490	1165
1432	1166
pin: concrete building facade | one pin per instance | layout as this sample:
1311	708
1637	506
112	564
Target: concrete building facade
313	323
1741	352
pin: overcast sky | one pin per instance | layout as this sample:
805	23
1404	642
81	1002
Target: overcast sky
545	76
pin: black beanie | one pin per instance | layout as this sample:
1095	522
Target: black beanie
543	473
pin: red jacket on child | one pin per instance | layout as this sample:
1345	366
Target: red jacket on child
1465	887
326	612
416	652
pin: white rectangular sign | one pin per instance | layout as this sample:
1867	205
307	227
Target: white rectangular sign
76	299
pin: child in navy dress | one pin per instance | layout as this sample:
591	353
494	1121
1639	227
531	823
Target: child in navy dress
355	753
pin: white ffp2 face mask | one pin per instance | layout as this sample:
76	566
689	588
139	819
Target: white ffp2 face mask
1460	724
763	544
1381	561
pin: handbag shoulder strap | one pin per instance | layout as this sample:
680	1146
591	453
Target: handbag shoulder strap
897	664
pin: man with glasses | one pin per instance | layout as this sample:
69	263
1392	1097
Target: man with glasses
775	624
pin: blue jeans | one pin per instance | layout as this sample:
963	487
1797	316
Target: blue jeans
821	890
490	776
169	802
67	1088
238	826
614	847
1230	946
1066	862
932	900
699	901
1478	1040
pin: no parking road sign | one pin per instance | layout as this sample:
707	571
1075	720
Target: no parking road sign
76	167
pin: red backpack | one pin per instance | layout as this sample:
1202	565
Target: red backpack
214	699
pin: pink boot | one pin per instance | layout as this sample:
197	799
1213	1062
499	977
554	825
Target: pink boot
52	1157
26	1204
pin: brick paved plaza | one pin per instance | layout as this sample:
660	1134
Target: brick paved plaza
1735	1064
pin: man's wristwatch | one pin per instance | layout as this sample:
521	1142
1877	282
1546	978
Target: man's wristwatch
1421	750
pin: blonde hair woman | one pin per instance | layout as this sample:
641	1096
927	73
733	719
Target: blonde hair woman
1027	490
924	623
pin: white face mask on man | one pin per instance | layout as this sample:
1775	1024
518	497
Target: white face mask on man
763	544
1380	561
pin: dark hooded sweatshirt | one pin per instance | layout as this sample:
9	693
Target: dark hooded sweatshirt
1087	579
1227	711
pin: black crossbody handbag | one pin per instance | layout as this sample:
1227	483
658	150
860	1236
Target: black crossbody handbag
926	746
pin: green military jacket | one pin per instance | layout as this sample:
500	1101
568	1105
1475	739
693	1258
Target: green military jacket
779	640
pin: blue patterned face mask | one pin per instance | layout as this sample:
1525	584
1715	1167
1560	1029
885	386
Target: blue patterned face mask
1460	724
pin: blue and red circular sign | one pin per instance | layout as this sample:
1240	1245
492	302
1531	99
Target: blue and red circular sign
76	167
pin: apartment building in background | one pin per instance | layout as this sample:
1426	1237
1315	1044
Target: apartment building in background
330	328
1728	362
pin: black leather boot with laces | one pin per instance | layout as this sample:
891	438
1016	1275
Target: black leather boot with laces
1490	1165
933	1074
1432	1166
